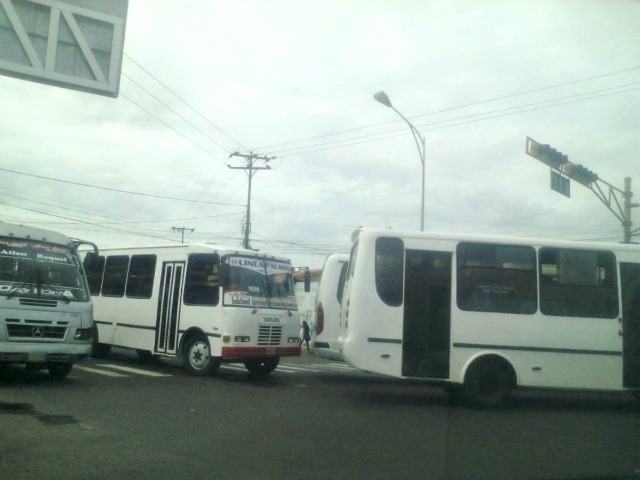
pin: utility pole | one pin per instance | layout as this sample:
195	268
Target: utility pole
251	169
182	230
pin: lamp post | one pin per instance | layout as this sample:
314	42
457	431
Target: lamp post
384	99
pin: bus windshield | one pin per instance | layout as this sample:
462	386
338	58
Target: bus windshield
31	269
255	282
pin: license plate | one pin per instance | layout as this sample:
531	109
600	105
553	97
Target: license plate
37	356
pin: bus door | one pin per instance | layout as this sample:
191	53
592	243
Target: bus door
168	316
427	314
630	277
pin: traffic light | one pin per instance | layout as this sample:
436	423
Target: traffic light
550	156
579	173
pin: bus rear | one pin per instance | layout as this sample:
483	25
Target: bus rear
46	318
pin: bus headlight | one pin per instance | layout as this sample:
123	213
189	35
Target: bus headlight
226	338
83	334
242	338
294	340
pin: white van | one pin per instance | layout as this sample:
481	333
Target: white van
328	298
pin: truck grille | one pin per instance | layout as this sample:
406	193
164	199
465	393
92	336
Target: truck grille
269	334
35	332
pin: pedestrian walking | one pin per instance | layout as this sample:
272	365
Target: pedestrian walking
306	334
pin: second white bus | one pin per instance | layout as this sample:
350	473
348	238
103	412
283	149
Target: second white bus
483	315
204	304
327	306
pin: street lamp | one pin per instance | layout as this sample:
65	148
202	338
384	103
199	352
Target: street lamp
384	99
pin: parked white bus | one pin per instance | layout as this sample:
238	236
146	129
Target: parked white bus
204	304
327	306
46	318
489	314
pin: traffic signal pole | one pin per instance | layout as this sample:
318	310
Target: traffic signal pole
614	197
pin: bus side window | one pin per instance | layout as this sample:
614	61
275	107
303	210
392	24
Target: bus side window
115	275
390	270
202	280
496	278
141	272
94	269
578	283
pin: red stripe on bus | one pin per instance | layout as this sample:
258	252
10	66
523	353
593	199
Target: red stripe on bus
249	352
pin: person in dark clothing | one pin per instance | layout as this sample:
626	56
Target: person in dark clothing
306	334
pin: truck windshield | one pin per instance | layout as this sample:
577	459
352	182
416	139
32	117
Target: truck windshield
30	269
256	282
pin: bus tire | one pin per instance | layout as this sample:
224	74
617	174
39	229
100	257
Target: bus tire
261	366
99	350
196	356
59	371
488	383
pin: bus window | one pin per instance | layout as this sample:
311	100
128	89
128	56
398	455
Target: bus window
201	285
389	270
578	283
115	275
341	281
94	268
140	279
496	278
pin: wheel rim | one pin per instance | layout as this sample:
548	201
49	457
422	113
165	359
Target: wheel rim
199	355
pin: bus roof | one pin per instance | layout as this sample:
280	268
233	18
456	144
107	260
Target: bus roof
222	249
33	233
467	237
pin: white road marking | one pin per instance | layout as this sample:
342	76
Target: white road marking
137	371
106	373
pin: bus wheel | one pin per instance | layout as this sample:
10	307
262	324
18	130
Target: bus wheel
60	370
196	356
262	366
488	383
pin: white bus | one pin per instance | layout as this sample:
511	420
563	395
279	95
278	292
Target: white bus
483	315
204	304
46	318
327	306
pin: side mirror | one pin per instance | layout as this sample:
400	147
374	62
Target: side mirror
90	261
307	280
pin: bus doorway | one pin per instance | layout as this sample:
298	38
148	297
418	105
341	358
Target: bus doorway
427	314
630	280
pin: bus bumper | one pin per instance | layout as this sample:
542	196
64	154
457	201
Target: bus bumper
16	353
258	352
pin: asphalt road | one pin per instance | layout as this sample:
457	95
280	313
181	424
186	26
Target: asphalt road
313	419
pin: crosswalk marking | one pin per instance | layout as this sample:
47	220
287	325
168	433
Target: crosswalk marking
134	370
106	373
107	369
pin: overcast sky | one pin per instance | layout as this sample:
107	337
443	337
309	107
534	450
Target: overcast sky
295	80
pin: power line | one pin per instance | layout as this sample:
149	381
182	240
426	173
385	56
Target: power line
118	190
390	135
185	102
480	102
172	128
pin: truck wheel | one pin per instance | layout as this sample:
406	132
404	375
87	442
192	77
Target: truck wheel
59	371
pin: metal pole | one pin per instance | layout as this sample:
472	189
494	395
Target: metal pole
423	175
626	225
247	225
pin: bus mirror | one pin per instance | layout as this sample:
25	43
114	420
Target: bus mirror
223	276
307	280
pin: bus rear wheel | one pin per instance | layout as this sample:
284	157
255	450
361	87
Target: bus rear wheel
196	356
262	366
488	383
60	371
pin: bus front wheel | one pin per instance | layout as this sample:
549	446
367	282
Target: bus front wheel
196	356
262	366
488	383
